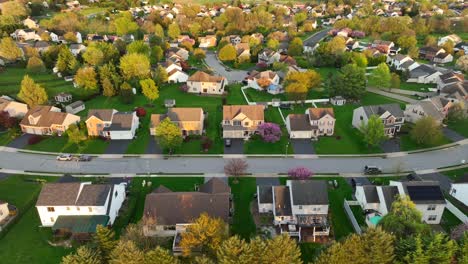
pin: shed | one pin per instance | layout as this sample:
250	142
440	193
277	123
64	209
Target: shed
338	100
169	103
75	107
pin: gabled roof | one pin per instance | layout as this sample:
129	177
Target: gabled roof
47	117
299	122
265	195
179	114
102	114
389	195
424	192
393	109
253	112
94	194
69	194
121	121
317	113
200	76
215	185
370	191
309	192
282	200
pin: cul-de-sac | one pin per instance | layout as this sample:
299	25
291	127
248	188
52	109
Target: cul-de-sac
233	132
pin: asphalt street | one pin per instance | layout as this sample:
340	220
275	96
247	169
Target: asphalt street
215	165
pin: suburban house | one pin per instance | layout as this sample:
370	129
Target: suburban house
449	78
375	201
314	123
453	37
13	108
435	107
459	189
233	39
443	57
168	214
402	62
177	76
28	22
41	46
243	51
4	211
25	35
207	41
111	124
269	56
265	80
47	120
387	47
187	38
391	115
77	49
97	120
427	196
425	74
462	46
428	52
189	120
300	209
242	121
458	92
204	83
75	107
180	52
78	207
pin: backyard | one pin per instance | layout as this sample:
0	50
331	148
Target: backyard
243	190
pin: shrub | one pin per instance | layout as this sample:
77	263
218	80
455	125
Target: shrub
300	173
35	139
206	143
270	132
184	88
140	112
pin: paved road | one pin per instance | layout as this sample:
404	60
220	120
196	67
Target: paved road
216	66
392	95
214	165
317	37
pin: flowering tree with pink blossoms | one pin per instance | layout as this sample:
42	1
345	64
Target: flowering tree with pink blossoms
300	173
270	132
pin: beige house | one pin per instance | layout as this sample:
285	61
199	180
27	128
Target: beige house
189	120
243	51
314	123
207	42
98	119
242	121
204	83
47	120
14	109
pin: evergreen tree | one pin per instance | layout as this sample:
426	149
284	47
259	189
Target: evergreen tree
83	255
281	249
235	251
126	252
9	50
160	256
105	242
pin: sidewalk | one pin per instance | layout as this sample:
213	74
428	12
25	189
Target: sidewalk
392	95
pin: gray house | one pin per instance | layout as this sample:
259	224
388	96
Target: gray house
391	115
75	107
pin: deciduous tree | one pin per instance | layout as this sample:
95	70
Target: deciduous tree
173	31
227	53
83	255
134	65
462	63
270	132
272	44
14	8
426	131
32	93
138	46
281	249
125	25
235	167
157	54
168	135
300	173
235	251
93	56
381	76
66	62
199	54
105	242
161	256
295	47
86	78
126	252
160	75
9	50
374	131
35	65
149	89
75	135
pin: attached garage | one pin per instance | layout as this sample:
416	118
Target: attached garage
298	126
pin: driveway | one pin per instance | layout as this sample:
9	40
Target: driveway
237	147
452	135
316	38
391	145
302	146
232	76
268	181
153	147
117	146
20	142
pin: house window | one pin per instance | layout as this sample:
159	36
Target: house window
77	208
90	209
237	123
169	227
431	207
432	218
68	208
246	124
52	219
300	207
361	118
115	194
50	209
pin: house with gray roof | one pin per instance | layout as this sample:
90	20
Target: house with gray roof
111	124
299	208
391	115
57	202
427	107
375	201
425	73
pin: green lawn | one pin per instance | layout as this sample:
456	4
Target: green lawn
243	194
455	174
309	251
359	215
460	127
6	137
449	221
263	96
408	144
61	144
26	242
383	180
10	81
417	87
235	96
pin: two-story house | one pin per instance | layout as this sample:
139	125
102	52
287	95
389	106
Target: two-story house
111	124
436	107
242	121
204	83
47	120
189	120
62	200
243	51
269	56
387	47
449	78
264	81
13	108
207	41
314	123
459	189
97	120
300	208
375	201
233	39
391	115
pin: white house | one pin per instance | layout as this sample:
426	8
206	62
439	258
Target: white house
391	115
453	37
299	209
77	49
123	126
424	74
442	58
427	196
459	189
79	199
177	76
314	123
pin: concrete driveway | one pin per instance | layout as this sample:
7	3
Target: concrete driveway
232	75
452	135
317	37
117	146
391	145
302	146
153	147
267	181
20	142
237	147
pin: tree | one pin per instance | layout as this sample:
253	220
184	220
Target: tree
374	131
35	65
168	135
157	54
436	248
381	76
359	59
300	173
296	91
9	50
66	62
125	25
299	18
149	89
235	168
404	219
105	242
206	233
83	255
195	29
86	78
272	44
7	121
109	78
413	52
448	46
70	37
199	54
295	47
126	252
227	53
93	56
235	250
32	93
173	31
336	45
161	256
270	132
134	65
457	113
349	83
160	75
134	233
426	131
395	81
407	41
281	249
138	46
14	8
462	63
298	84
75	135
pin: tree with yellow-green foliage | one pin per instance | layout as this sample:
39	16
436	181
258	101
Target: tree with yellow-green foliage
227	53
14	8
235	251
149	89
281	249
105	242
86	78
160	256
32	93
168	135
272	44
35	64
93	56
66	62
134	65
83	255
125	25
426	131
206	233
126	252
9	50
298	84
173	31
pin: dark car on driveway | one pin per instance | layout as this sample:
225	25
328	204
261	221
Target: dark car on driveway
227	142
371	170
82	158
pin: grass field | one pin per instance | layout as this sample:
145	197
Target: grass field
460	127
408	144
243	194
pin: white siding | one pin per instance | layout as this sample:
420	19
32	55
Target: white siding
460	192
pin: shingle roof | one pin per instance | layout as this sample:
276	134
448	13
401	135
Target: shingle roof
394	109
299	122
179	114
282	200
253	112
317	113
47	117
309	192
265	194
93	195
121	121
389	195
103	114
200	76
58	194
370	191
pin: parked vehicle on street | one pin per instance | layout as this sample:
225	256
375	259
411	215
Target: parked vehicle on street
65	157
82	158
370	170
